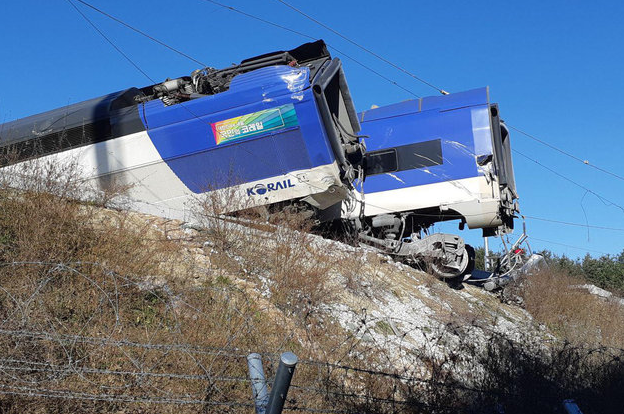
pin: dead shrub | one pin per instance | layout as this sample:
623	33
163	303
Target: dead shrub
273	248
556	299
95	302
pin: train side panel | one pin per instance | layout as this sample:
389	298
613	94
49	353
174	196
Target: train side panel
437	157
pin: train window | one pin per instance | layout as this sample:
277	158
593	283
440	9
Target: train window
419	155
406	157
380	162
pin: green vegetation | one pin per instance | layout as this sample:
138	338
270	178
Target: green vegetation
605	271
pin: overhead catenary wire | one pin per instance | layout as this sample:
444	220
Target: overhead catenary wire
307	36
141	70
230	8
564	152
569	245
585	162
142	33
182	105
567	223
605	200
394	65
110	42
585	249
310	37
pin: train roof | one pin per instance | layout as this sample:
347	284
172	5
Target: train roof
70	116
473	97
95	113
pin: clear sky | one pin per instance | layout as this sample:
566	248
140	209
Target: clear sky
556	69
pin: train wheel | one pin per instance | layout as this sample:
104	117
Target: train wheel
471	259
460	266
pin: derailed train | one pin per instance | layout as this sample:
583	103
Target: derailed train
274	128
435	159
281	129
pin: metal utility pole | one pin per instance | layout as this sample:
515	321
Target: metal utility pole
258	382
285	371
486	259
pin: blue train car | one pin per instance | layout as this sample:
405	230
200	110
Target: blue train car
279	127
435	159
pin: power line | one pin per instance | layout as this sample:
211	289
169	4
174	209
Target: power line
585	162
110	42
310	37
567	223
141	32
569	245
574	157
605	200
307	36
394	65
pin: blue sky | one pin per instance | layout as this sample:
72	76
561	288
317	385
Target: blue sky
555	68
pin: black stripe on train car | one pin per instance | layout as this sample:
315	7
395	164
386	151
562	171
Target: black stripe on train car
75	126
405	157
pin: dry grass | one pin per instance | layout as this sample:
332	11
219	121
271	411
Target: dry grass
97	302
573	314
103	297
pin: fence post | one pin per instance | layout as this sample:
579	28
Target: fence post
285	371
258	382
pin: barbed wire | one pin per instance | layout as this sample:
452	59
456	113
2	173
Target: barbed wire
226	351
196	349
35	366
132	366
53	393
27	366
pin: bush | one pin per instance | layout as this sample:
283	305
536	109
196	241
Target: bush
118	311
606	272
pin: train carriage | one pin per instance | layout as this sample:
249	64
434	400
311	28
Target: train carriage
279	127
430	160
